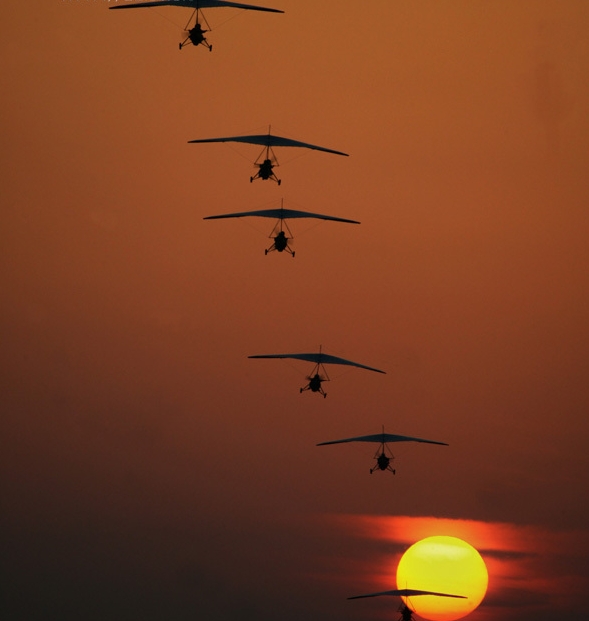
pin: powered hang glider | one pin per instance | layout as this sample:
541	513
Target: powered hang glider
383	455
196	33
267	161
318	374
281	233
406	612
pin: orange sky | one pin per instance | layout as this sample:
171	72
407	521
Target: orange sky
150	469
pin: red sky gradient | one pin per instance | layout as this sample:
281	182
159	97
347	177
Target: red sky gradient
149	469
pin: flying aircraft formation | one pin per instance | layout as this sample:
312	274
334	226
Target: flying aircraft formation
278	233
195	34
383	455
265	165
267	161
406	612
318	374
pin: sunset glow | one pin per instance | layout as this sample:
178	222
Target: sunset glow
518	559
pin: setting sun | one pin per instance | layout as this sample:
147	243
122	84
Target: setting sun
443	564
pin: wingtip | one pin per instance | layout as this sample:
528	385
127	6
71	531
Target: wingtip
358	596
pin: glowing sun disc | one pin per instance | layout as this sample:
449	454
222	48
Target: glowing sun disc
445	565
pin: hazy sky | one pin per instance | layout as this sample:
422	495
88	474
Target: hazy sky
149	469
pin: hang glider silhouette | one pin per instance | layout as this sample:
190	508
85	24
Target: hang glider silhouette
406	612
281	233
196	33
318	374
267	161
383	455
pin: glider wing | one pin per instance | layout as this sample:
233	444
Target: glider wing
196	4
320	358
268	140
408	593
382	437
282	214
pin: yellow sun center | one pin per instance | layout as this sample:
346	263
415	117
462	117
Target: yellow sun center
445	565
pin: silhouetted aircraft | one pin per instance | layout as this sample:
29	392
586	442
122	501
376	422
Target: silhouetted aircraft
195	35
267	161
383	455
278	233
406	612
315	377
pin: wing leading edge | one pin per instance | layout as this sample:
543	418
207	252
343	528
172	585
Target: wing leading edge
381	438
408	593
269	140
197	4
320	358
282	214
